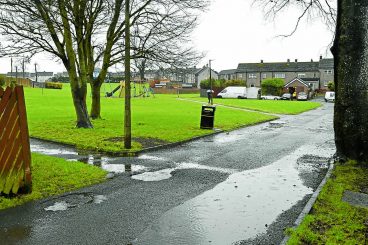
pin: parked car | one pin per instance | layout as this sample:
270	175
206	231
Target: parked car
233	92
302	96
270	97
285	96
330	96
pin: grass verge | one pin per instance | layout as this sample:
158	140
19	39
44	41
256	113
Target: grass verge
331	220
163	118
53	176
269	106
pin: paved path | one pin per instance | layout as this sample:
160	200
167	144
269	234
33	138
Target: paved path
232	107
240	187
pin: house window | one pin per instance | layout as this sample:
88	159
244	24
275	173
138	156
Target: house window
325	83
240	75
301	75
279	75
329	72
252	75
264	75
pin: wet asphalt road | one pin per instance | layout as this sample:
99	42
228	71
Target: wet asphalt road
242	187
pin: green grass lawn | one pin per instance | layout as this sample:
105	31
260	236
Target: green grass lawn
270	106
51	116
52	176
331	220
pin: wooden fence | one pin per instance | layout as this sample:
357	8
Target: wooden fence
25	82
15	154
175	90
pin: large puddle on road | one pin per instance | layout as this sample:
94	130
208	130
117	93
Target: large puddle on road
104	163
166	173
39	148
97	160
239	208
66	202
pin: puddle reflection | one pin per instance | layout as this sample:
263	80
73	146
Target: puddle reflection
58	206
51	151
166	173
73	201
155	176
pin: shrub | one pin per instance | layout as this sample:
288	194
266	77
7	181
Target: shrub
53	85
235	83
331	86
272	86
205	84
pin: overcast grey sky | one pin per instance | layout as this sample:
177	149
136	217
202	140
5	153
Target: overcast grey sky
234	31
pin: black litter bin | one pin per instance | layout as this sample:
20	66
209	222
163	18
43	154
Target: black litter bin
207	116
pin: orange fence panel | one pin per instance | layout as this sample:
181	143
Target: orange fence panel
15	153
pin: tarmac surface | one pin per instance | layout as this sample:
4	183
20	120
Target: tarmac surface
242	187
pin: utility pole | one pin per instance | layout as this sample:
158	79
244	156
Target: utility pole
23	68
35	66
211	82
11	67
127	114
16	75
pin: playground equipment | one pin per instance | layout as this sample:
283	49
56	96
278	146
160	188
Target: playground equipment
120	87
138	89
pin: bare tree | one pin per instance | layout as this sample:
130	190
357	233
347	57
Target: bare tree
350	51
80	33
324	9
161	38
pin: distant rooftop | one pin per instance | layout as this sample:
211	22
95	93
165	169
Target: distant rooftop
227	72
289	66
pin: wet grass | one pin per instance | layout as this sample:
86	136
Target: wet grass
51	116
333	221
270	106
53	176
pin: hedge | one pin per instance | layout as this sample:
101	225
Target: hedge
272	86
53	85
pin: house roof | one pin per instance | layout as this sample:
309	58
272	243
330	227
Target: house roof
204	68
326	64
296	79
43	73
279	67
19	74
227	72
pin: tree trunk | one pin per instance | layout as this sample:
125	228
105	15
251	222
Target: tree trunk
350	52
79	100
96	101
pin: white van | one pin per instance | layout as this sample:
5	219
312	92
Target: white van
330	96
233	92
253	92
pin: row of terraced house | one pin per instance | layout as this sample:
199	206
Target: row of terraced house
312	74
301	75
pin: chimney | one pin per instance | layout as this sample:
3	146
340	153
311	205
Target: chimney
262	61
288	60
320	57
